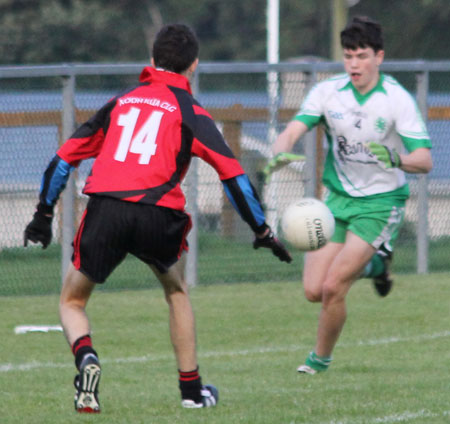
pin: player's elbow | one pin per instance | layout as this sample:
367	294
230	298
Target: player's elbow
420	161
426	164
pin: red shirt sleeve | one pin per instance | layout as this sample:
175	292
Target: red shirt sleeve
74	150
87	141
209	145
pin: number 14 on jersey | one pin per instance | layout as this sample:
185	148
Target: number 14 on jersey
144	141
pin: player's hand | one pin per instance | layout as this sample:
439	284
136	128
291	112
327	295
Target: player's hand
39	230
389	157
271	242
278	161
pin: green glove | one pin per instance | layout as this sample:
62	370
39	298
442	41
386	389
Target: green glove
278	161
386	155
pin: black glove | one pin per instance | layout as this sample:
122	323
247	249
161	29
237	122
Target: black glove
271	242
39	230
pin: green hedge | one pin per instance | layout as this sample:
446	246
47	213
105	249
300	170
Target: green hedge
34	271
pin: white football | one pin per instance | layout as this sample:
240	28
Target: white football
307	224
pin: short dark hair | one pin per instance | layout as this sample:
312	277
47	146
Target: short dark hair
362	32
175	48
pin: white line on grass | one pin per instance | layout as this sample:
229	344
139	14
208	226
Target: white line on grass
275	349
401	339
395	418
405	416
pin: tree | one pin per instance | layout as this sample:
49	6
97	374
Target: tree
53	31
412	28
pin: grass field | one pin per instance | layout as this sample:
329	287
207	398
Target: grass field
391	364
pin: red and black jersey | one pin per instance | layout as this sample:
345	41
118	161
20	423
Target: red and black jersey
143	140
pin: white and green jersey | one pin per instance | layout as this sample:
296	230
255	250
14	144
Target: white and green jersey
387	115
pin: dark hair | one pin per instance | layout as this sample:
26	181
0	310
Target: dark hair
175	48
362	32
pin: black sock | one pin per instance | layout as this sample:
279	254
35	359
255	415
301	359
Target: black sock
81	347
190	384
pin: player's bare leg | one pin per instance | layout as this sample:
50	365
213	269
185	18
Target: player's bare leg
317	264
183	337
181	315
75	294
343	271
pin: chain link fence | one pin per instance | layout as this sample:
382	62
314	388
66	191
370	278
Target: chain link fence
251	103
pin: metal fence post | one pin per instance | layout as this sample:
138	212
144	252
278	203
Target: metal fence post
68	196
271	190
310	147
422	81
192	203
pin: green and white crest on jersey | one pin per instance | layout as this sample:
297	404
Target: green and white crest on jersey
380	125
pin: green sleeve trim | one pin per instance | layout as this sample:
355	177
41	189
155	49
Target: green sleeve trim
309	120
412	144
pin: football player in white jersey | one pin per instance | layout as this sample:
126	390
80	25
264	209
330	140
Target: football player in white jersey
375	134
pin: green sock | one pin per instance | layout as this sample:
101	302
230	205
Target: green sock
374	268
318	363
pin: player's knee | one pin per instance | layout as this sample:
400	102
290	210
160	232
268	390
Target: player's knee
312	289
69	301
174	287
73	299
172	281
313	295
332	292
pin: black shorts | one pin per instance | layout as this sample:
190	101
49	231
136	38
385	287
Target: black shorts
111	228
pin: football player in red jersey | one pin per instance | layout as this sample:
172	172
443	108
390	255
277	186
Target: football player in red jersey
142	141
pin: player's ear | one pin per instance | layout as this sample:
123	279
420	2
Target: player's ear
379	56
193	66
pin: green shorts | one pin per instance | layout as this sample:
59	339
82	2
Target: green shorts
375	220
